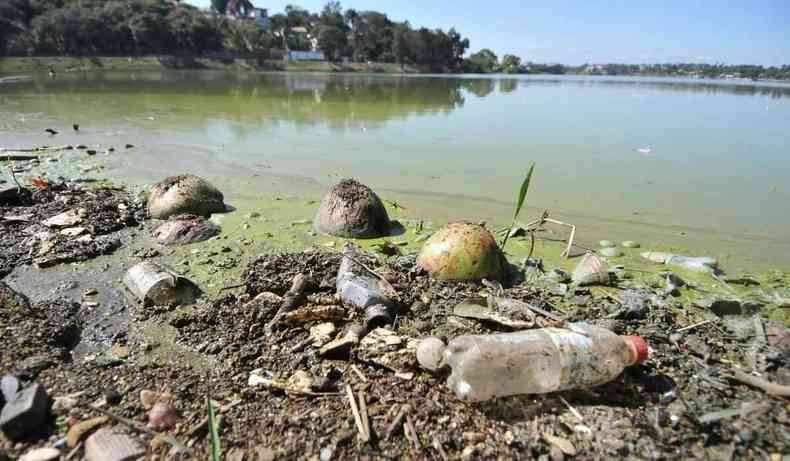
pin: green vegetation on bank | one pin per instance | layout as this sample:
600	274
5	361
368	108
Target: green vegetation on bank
144	27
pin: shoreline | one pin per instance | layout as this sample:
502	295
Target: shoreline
41	64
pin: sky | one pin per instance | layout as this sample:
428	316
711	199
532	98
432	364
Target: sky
599	31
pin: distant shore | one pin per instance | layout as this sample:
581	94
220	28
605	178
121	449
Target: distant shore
38	64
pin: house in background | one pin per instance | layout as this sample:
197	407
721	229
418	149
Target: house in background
245	10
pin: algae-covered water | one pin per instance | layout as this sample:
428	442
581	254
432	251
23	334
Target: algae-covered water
695	165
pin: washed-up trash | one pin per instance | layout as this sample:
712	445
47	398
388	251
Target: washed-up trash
462	251
480	309
538	361
163	414
152	284
300	383
606	244
185	229
630	244
430	353
345	341
352	210
360	289
110	444
185	194
696	264
66	219
41	454
591	271
385	348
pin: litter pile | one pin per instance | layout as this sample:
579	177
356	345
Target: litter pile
324	355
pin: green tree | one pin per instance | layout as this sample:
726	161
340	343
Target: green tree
511	64
483	61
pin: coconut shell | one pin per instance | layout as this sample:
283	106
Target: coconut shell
185	194
352	210
462	251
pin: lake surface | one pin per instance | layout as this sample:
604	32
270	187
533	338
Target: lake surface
692	164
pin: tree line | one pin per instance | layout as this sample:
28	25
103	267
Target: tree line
94	27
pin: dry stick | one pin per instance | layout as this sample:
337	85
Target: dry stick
35	149
74	452
359	373
13	176
691	327
291	300
398	421
759	383
438	446
573	410
20	157
355	411
363	411
411	434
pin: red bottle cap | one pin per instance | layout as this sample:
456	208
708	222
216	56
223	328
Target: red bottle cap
638	347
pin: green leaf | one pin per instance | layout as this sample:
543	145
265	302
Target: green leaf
522	195
213	430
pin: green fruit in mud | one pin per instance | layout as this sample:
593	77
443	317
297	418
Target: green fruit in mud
462	251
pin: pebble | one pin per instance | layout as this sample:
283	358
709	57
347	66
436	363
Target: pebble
630	244
111	445
148	398
41	454
606	244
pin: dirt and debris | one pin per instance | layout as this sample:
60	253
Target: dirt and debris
372	400
64	223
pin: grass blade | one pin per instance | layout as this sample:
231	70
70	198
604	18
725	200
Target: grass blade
522	198
213	430
522	195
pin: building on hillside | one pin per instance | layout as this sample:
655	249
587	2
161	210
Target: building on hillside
245	10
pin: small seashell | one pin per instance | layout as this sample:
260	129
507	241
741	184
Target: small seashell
591	271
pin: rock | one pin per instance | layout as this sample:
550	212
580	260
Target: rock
73	231
352	210
26	413
610	252
41	454
81	430
66	219
462	251
148	398
35	364
185	229
430	353
630	244
606	244
109	444
722	307
185	194
163	415
62	405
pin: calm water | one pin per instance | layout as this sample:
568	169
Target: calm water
715	179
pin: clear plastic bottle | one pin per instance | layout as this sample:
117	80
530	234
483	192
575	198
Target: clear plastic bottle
538	361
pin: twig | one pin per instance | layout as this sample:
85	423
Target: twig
438	446
359	373
13	176
398	421
759	383
19	157
35	149
140	428
691	327
363	436
232	287
572	410
411	434
363	411
74	452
